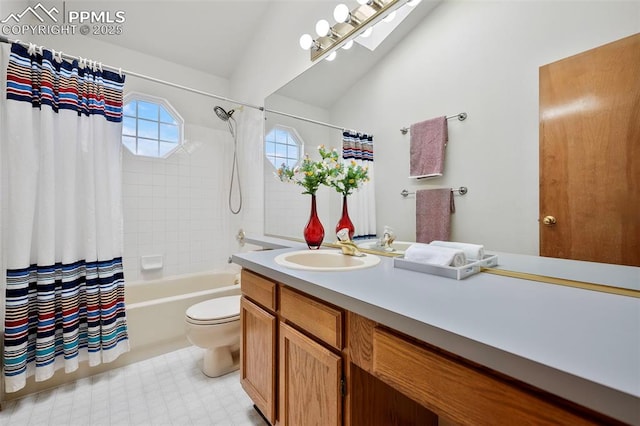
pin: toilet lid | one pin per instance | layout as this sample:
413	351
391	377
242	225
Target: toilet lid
219	310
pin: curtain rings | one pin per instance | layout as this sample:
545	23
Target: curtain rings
56	56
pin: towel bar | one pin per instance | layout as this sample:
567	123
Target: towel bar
461	117
461	191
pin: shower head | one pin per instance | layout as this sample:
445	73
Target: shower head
222	114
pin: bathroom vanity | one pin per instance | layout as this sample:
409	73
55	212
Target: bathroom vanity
388	346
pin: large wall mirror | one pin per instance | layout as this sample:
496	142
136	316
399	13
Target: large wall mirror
482	58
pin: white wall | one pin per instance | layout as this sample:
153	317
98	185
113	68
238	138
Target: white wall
482	58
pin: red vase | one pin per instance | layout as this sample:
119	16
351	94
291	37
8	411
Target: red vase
344	221
313	231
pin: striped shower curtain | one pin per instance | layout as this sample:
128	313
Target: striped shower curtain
64	297
362	203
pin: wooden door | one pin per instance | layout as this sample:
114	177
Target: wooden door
258	357
310	377
590	155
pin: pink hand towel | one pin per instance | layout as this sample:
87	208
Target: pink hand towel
428	140
433	214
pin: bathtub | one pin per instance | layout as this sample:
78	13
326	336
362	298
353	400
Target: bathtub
155	309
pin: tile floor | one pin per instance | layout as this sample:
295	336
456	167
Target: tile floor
165	390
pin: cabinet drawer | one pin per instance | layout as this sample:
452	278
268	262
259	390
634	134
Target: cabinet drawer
317	318
457	391
259	289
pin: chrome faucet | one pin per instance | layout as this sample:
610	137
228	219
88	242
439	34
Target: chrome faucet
347	246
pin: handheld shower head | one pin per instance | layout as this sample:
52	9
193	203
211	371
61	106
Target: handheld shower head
235	174
222	114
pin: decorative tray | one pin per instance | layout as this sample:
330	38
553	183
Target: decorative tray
459	272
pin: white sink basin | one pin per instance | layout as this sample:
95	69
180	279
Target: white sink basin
325	260
397	247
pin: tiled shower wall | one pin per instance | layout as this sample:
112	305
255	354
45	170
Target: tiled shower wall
177	207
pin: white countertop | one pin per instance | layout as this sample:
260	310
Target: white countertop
579	344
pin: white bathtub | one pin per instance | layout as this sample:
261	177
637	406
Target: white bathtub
155	309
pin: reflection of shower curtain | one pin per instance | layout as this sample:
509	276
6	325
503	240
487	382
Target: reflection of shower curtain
362	203
63	235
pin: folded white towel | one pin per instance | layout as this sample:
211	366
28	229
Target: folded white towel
472	251
434	255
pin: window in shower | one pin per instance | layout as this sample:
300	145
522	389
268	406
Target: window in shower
283	145
151	127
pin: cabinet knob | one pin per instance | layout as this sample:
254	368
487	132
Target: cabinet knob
549	220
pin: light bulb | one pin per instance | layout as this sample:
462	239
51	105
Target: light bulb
367	32
389	17
341	13
331	56
306	41
413	3
322	27
348	45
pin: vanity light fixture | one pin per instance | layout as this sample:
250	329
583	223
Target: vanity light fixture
307	42
375	3
349	24
323	28
341	14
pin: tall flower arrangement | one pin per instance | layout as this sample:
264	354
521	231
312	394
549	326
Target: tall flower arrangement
344	178
329	171
310	174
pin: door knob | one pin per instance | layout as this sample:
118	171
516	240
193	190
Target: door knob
549	220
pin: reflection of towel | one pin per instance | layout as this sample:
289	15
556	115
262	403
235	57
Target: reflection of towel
434	255
433	214
428	140
471	251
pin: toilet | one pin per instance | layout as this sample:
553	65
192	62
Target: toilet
215	326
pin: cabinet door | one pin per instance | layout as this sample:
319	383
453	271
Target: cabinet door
310	377
258	357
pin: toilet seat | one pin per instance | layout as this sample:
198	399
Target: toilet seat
215	311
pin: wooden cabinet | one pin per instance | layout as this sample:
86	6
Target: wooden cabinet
291	354
310	378
316	318
305	361
258	345
455	389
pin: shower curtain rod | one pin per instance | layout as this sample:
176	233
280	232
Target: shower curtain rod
297	117
121	71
